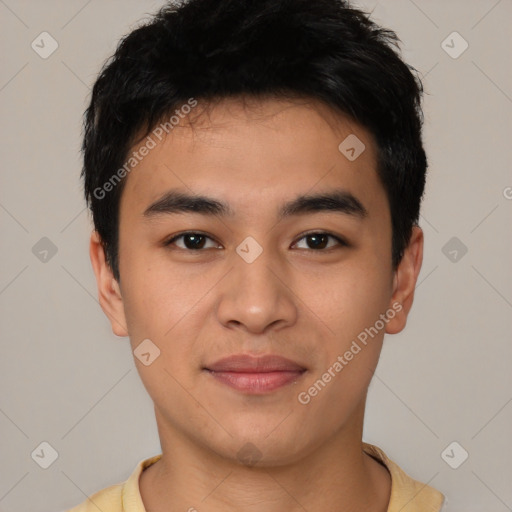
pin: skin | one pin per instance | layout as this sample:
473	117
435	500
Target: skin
303	303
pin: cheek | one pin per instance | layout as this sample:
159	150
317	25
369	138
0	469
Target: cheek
167	307
154	295
348	299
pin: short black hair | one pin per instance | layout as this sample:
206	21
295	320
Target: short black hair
324	50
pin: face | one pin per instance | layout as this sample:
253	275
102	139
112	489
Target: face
258	272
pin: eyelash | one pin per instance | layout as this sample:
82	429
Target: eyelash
341	241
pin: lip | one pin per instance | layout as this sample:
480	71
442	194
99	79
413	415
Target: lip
245	363
255	375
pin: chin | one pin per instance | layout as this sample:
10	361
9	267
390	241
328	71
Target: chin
261	450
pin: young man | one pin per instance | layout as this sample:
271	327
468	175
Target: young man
255	171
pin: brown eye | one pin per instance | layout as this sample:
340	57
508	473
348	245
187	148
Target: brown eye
191	241
319	241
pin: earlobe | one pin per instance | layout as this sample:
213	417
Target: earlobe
404	282
109	292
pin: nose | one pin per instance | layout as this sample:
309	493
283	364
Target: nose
257	296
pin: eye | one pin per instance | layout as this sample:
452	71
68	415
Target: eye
192	241
319	240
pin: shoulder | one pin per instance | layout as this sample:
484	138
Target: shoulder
407	494
106	500
121	497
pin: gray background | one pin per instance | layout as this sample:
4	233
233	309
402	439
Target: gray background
67	380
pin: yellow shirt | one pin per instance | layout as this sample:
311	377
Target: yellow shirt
407	495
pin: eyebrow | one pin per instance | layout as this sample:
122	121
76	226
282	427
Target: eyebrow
339	201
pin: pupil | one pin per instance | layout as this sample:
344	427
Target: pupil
321	238
196	241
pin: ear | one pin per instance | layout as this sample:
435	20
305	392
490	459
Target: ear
404	282
109	292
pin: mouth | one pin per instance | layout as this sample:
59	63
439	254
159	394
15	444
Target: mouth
255	375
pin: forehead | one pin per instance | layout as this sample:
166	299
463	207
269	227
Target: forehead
252	154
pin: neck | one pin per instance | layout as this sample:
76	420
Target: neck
337	475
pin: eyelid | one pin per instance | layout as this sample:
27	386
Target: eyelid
342	242
176	236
